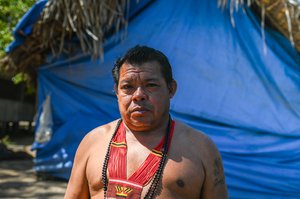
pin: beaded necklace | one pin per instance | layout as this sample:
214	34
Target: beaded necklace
151	192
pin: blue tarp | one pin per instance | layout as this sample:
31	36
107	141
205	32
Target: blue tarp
245	99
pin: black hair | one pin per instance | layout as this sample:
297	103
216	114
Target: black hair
139	55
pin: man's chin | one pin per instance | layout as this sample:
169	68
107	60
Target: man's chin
140	123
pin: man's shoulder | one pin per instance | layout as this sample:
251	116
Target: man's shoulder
100	133
104	129
96	139
193	139
189	132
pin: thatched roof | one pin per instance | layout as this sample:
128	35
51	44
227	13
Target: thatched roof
89	21
283	14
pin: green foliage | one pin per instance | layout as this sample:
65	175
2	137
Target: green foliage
23	78
6	141
20	77
11	12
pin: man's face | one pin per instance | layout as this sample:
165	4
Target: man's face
143	96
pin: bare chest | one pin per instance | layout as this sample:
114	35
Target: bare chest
181	177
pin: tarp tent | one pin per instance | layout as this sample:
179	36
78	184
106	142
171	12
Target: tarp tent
245	99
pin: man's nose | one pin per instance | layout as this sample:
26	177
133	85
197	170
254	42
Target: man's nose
139	94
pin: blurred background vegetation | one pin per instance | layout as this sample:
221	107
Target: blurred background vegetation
11	12
14	95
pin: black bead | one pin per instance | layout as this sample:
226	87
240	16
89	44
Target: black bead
105	163
158	173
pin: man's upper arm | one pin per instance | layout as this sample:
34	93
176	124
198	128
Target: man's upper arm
214	186
78	184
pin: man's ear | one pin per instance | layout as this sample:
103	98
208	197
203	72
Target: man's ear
172	88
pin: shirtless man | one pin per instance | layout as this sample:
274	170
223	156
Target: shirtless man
147	154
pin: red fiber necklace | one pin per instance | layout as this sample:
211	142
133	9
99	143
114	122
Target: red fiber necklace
115	162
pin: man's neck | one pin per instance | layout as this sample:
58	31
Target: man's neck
149	138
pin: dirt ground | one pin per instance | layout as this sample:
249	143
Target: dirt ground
19	180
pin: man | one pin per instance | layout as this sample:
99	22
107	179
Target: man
146	154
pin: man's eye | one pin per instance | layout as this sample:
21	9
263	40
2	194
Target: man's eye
152	85
126	87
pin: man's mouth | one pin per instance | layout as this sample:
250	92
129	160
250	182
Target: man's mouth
140	109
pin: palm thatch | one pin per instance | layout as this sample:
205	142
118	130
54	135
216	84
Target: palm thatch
89	21
283	14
